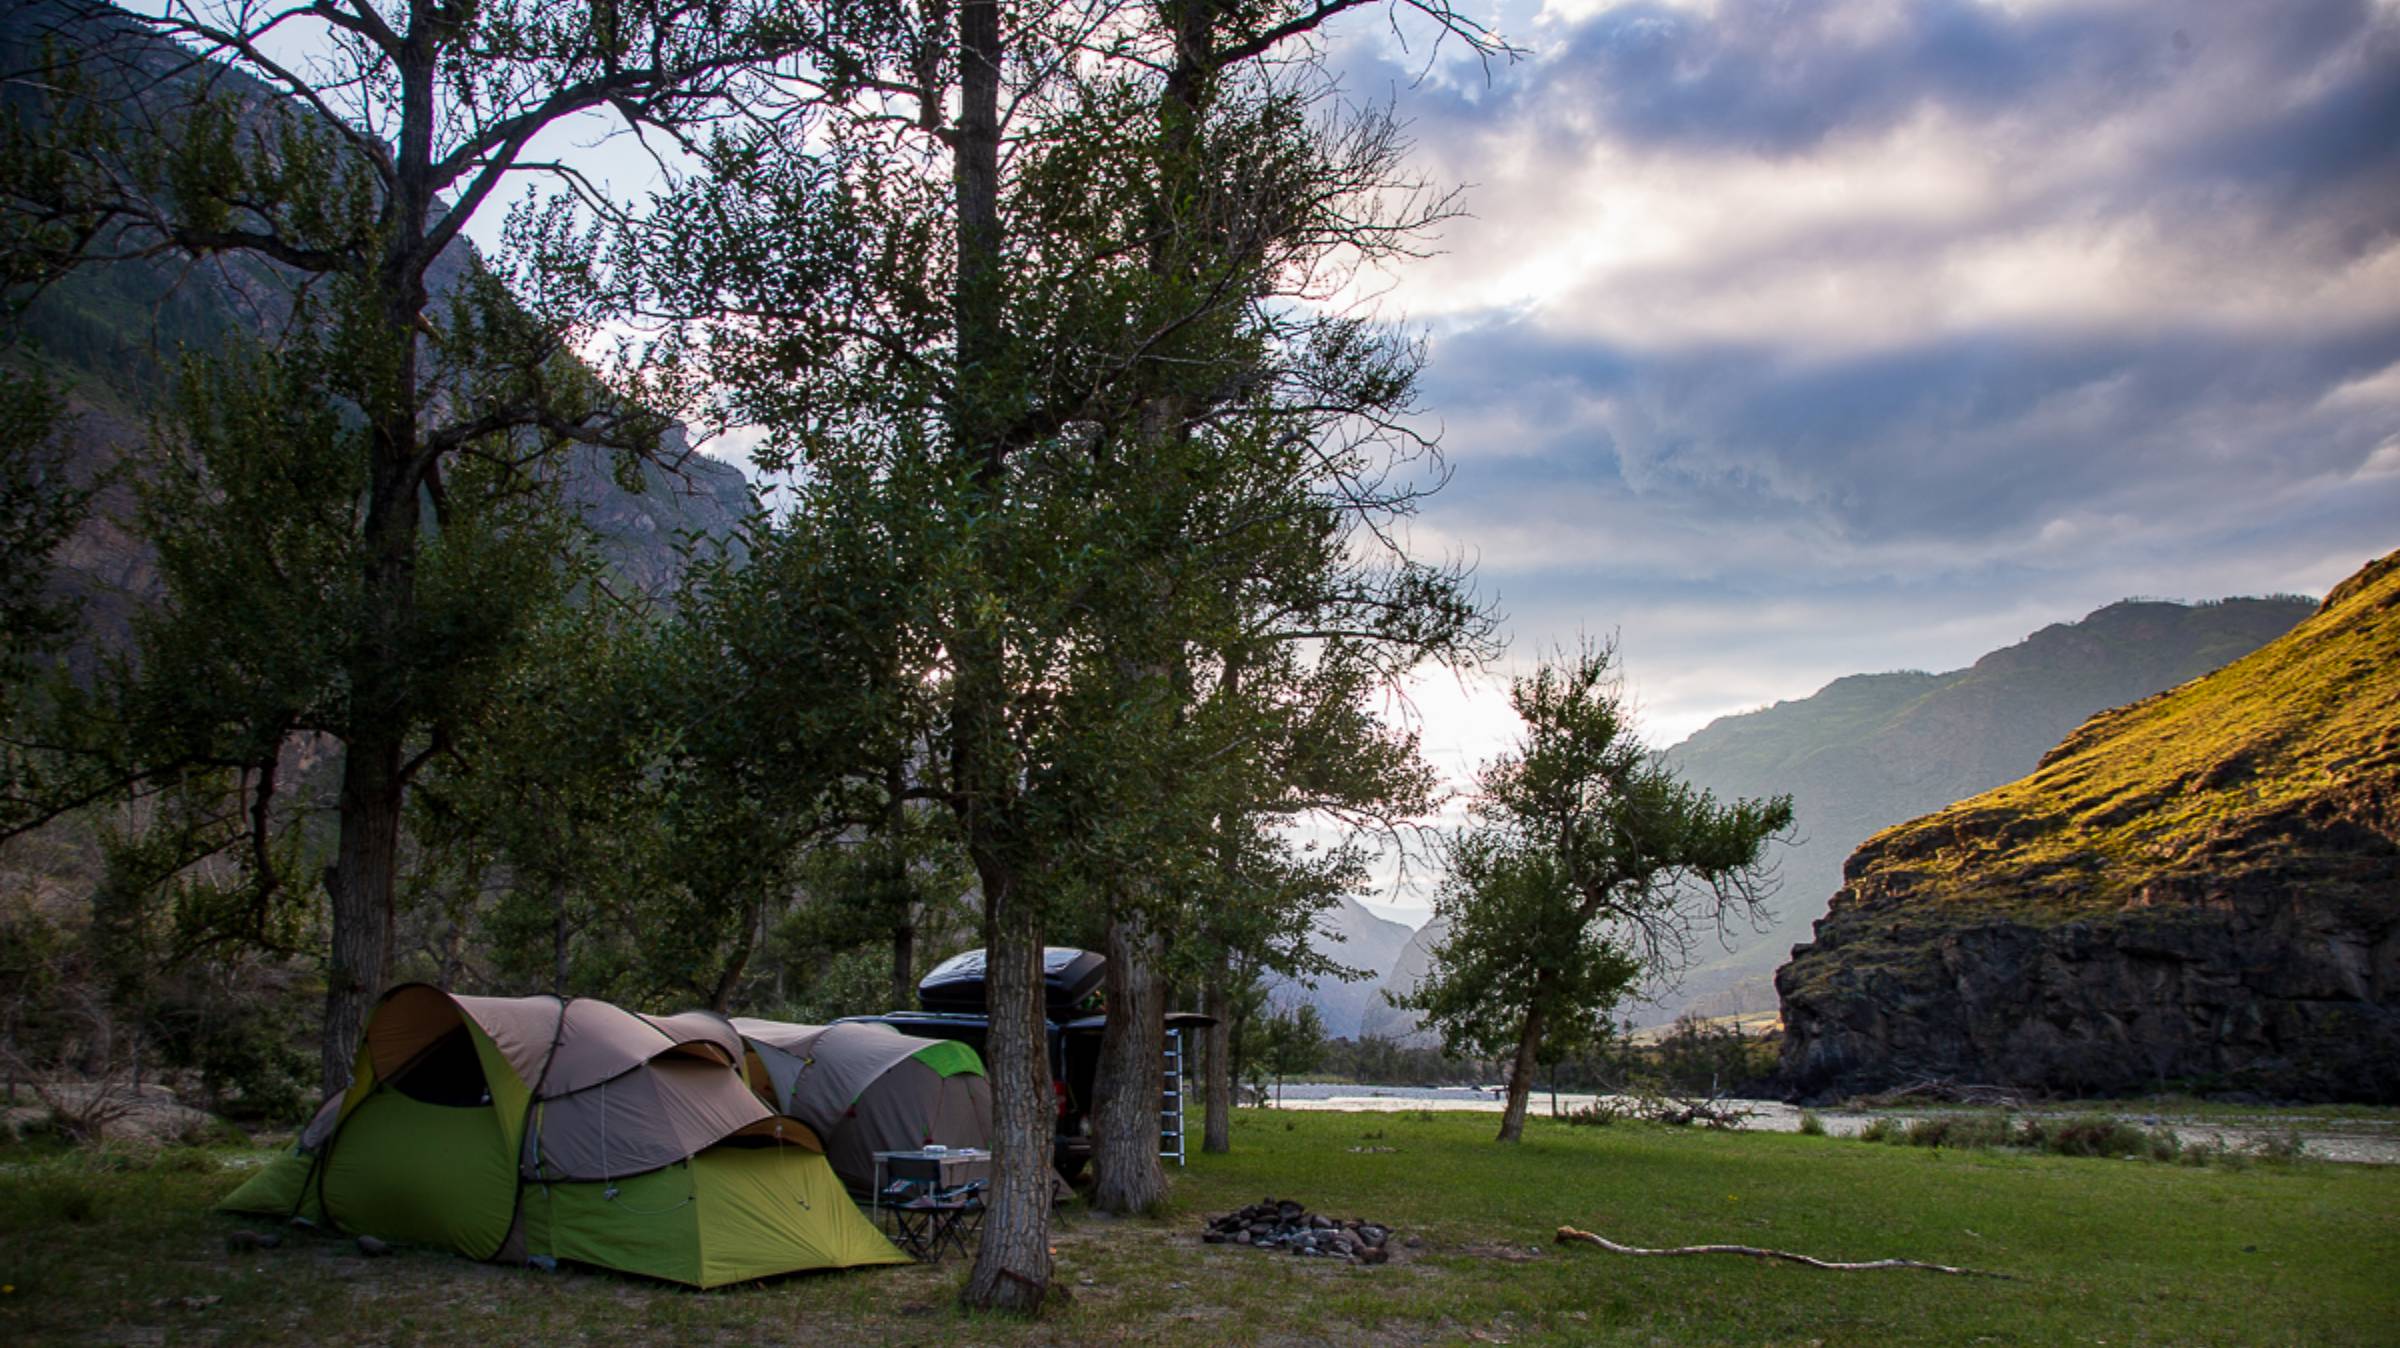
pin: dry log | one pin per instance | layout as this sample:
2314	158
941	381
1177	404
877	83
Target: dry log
1569	1235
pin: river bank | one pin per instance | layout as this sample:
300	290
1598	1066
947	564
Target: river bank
2350	1134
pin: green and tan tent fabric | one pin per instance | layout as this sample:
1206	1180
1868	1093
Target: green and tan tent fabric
510	1127
868	1088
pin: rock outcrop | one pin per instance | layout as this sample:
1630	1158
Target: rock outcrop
2200	890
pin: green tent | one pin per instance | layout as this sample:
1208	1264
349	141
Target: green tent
509	1127
868	1088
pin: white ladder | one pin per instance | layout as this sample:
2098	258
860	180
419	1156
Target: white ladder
1170	1108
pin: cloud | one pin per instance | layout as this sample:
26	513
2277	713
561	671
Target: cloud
1796	340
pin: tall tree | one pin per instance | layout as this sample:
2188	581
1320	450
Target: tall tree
1587	867
946	296
357	169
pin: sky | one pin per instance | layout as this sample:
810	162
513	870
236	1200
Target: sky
1790	340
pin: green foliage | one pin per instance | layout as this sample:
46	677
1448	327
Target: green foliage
1700	1057
1588	865
1810	1124
1288	1041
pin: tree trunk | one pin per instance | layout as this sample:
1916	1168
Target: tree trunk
1012	1262
360	884
1217	1063
904	963
1129	1093
729	978
558	939
1520	1073
364	876
898	887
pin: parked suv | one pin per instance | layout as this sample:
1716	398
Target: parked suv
952	1005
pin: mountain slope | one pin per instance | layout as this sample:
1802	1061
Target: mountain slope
1382	1020
1868	751
2201	888
1350	936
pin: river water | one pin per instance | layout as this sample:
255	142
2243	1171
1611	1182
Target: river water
2371	1140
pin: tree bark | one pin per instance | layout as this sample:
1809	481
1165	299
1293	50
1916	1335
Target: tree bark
360	884
1012	1262
1217	1063
365	872
1520	1073
558	939
1127	1177
362	880
904	963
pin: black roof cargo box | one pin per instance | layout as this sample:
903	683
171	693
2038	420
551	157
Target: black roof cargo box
1072	978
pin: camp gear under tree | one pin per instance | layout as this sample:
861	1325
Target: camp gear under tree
1587	866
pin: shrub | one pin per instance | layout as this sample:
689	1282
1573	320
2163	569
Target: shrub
2281	1150
1598	1114
2087	1135
1960	1130
1810	1124
1883	1130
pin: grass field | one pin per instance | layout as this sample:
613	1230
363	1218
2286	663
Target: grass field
118	1247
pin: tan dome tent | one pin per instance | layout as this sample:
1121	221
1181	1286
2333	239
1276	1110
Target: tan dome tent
869	1088
511	1127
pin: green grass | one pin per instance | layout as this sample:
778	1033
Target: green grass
102	1248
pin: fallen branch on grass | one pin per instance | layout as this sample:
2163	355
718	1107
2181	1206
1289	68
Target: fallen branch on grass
1569	1235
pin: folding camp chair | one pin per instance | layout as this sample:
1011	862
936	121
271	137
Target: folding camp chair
934	1221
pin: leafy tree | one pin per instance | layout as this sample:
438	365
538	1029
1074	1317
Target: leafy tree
436	377
1290	1041
1587	867
1027	350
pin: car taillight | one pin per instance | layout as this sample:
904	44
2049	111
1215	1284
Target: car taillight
1059	1089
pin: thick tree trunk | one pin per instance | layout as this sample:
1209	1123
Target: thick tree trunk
365	871
360	884
729	978
1520	1073
1012	1262
1125	1119
1217	1062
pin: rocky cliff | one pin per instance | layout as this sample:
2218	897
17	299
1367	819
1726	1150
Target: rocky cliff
1872	750
2199	890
